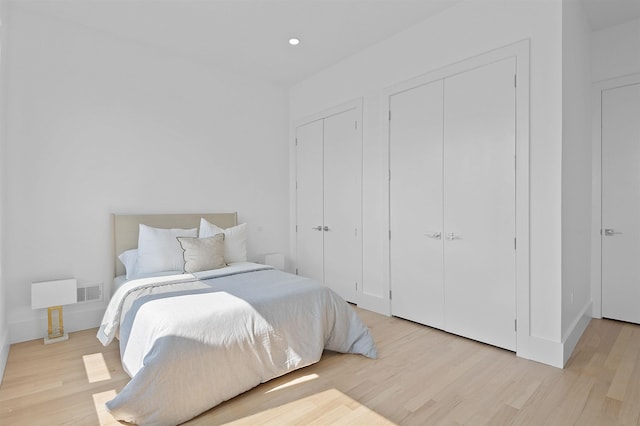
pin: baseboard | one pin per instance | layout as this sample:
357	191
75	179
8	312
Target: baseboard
543	351
554	353
4	351
575	332
36	328
374	304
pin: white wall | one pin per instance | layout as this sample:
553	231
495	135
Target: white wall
100	125
616	51
576	173
4	327
465	30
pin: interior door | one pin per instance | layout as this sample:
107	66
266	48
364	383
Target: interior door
415	154
309	209
621	203
342	204
479	204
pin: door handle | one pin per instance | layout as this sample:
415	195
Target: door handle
451	236
609	232
317	228
325	228
434	235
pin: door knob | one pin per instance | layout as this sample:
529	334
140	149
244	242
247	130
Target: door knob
434	235
451	236
610	232
325	228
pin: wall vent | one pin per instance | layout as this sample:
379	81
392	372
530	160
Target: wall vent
90	293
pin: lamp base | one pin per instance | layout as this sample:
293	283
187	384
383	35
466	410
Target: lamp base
48	341
56	328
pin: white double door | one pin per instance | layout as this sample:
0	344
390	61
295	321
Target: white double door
452	204
621	203
328	201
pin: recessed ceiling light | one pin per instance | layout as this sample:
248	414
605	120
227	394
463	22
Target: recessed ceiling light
294	41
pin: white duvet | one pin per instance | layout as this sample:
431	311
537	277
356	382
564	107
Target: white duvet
190	342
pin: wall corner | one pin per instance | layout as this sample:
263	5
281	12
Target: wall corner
4	352
576	331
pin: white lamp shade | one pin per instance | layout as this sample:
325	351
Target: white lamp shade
45	294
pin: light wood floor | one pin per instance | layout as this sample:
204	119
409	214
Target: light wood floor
422	377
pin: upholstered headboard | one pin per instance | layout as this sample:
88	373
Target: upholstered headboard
125	227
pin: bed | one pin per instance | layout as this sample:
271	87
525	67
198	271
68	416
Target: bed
192	340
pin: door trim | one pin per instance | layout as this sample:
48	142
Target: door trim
596	184
525	346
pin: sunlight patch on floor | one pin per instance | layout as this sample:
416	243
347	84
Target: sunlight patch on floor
96	367
329	407
99	400
294	382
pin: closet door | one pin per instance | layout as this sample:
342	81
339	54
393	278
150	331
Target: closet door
342	204
309	208
621	203
415	154
479	204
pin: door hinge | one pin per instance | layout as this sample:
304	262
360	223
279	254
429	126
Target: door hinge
296	271
389	175
296	228
356	124
296	141
515	80
514	244
390	295
389	115
356	232
515	325
389	234
356	286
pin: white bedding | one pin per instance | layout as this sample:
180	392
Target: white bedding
122	279
191	341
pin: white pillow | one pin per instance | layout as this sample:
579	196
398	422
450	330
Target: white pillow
129	259
202	254
159	249
235	239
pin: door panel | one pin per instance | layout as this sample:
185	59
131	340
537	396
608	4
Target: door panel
309	166
479	204
415	135
342	204
621	203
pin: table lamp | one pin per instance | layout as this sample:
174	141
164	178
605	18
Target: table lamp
52	295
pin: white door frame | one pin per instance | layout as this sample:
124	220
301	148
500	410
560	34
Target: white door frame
596	185
520	50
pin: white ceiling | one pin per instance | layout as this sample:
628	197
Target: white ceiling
250	36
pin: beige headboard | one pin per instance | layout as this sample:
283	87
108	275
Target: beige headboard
125	227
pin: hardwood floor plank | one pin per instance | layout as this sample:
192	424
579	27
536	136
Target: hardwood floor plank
522	395
619	347
503	416
594	413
